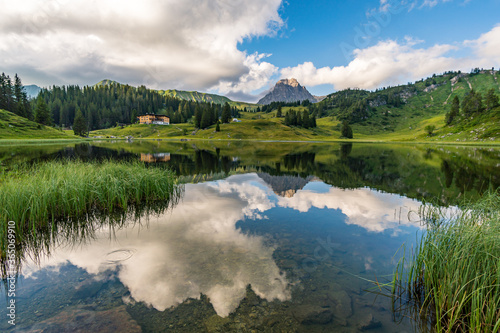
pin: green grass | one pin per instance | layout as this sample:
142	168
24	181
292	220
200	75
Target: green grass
15	127
271	128
453	277
38	195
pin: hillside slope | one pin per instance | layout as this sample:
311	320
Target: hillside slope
408	108
193	96
196	96
15	127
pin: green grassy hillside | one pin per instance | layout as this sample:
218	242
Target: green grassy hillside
196	96
402	112
269	128
15	127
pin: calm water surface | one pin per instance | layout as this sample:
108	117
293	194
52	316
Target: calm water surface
266	237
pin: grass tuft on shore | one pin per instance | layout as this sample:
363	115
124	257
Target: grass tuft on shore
452	279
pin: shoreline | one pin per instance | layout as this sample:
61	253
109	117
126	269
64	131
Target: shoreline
187	139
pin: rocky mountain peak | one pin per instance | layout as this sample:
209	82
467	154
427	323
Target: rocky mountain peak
289	82
287	90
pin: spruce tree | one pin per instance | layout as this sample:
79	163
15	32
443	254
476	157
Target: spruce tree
306	123
346	130
278	113
288	120
80	124
454	111
491	99
42	113
472	103
206	118
226	114
197	117
20	96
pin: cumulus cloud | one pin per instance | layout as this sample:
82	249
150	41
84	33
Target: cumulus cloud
194	249
393	62
258	76
386	63
487	46
186	44
366	208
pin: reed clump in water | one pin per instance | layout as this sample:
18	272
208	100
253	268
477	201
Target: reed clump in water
452	279
39	194
67	201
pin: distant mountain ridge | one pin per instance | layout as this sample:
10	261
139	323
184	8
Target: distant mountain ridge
32	90
289	91
196	96
193	96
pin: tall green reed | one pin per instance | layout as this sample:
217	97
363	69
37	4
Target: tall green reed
74	198
451	281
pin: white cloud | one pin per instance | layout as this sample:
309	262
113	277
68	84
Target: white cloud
386	63
409	5
366	208
185	44
196	248
487	47
259	75
391	63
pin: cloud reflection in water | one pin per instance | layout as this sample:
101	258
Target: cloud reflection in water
196	248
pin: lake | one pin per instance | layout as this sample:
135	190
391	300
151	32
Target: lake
265	237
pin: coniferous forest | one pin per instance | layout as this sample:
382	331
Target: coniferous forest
13	98
104	106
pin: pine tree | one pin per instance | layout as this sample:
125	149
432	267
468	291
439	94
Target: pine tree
80	124
197	117
6	98
278	113
20	96
226	114
346	130
472	103
288	120
206	118
133	117
454	111
306	123
491	99
217	128
42	113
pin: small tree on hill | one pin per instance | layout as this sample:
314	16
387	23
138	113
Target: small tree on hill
133	117
454	111
42	113
279	112
226	114
472	103
217	128
80	124
346	130
491	99
206	118
430	129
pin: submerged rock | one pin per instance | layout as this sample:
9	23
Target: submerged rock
368	322
312	314
80	320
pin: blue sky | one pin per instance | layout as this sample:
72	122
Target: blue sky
240	48
324	31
